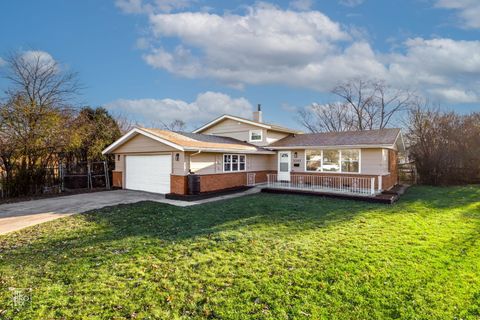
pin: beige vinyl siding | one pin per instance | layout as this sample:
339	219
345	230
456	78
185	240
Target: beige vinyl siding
141	143
300	159
119	162
273	136
373	161
203	163
181	166
260	162
237	130
210	163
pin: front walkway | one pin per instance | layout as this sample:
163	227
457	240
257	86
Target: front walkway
19	215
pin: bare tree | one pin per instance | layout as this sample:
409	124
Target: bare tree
444	145
363	105
40	80
124	123
332	117
36	117
175	125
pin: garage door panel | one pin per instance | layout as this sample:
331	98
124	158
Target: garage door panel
148	173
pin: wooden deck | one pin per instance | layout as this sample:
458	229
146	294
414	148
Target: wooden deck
387	197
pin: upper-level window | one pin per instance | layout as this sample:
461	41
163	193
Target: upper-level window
233	162
347	161
256	135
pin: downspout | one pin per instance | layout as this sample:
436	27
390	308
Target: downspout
189	162
194	154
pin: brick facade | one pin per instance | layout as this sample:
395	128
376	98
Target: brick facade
392	179
216	182
117	177
178	184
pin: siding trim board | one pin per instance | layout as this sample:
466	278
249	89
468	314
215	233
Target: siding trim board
132	133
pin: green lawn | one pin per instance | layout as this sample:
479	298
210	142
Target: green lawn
256	257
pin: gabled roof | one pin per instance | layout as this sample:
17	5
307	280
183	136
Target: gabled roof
273	127
186	141
385	138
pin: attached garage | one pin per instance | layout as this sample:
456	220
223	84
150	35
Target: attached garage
159	161
149	173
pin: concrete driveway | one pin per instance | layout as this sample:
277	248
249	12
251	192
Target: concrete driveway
15	216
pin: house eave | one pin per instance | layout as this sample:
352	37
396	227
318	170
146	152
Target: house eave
132	133
253	123
220	150
366	146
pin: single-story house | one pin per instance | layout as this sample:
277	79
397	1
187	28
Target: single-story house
231	152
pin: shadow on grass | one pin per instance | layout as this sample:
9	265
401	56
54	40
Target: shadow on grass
290	214
169	224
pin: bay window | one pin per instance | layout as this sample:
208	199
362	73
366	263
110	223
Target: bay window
234	162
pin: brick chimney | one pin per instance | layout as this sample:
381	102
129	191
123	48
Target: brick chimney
257	115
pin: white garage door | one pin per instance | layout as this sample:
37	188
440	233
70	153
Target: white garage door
148	173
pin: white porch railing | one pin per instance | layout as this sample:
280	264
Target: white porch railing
335	184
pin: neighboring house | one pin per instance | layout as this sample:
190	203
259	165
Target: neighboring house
231	152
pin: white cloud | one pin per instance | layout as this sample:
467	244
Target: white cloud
455	95
2	62
301	5
42	58
468	11
151	6
351	3
207	106
266	45
444	67
270	45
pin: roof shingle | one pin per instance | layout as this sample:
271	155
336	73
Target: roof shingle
347	138
203	141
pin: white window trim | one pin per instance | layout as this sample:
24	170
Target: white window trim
234	154
321	160
339	162
250	135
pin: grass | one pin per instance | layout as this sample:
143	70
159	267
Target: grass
257	257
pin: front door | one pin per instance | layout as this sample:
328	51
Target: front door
284	165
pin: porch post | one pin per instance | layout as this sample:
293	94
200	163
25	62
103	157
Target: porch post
372	186
380	183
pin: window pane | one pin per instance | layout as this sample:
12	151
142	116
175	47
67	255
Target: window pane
350	155
315	155
242	159
256	135
330	160
350	166
350	160
242	166
234	166
227	162
234	158
313	166
314	158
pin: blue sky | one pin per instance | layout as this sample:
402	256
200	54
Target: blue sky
157	60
